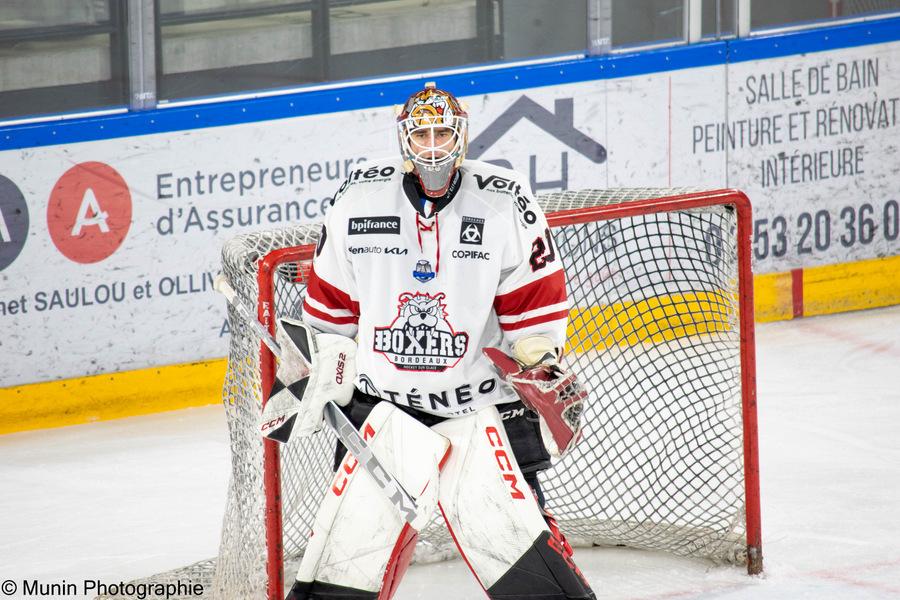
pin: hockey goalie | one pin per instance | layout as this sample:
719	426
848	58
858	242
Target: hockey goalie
444	272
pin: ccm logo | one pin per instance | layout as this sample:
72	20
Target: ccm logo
509	414
509	474
339	371
349	465
273	423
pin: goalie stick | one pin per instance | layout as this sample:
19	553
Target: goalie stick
334	418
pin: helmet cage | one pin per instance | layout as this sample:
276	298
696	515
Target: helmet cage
423	125
434	155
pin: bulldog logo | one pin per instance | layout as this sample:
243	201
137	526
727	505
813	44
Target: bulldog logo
421	338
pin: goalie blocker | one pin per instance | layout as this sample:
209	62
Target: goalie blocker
315	368
360	547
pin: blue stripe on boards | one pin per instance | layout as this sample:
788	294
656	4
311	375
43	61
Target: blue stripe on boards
819	39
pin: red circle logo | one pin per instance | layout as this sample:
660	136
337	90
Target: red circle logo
89	212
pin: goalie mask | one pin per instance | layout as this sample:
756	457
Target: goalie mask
433	131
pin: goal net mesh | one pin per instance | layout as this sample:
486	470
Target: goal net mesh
654	335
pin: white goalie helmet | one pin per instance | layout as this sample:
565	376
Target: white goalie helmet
433	129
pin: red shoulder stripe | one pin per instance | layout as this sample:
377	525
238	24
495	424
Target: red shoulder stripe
328	295
554	316
307	309
546	291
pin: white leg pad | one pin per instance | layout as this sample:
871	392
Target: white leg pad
357	529
489	507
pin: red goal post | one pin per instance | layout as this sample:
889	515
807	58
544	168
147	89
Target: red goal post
562	211
743	247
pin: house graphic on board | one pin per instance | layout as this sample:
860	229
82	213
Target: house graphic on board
560	124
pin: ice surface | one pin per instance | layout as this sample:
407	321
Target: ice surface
125	499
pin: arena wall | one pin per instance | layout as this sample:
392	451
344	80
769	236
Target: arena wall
111	226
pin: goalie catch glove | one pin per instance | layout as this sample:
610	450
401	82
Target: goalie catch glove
545	387
314	368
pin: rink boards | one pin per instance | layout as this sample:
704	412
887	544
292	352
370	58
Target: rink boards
112	226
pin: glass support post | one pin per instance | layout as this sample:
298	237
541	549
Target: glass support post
140	15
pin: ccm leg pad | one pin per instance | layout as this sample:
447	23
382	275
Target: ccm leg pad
544	572
317	590
360	543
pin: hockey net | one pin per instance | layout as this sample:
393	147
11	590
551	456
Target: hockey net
661	333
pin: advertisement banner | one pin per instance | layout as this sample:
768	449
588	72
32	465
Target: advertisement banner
108	249
813	140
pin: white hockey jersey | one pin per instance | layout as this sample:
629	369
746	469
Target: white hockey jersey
426	285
